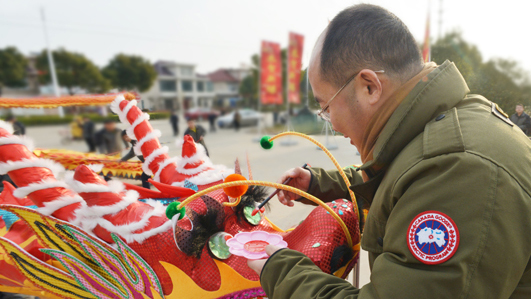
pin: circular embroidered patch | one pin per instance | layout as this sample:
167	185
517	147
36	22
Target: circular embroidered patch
433	237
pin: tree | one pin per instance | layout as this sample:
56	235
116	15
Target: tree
12	68
499	80
130	72
73	70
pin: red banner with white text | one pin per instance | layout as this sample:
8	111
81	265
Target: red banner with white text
296	42
270	74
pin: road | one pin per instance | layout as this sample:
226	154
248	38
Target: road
227	145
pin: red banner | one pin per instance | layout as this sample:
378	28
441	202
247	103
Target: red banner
296	42
270	74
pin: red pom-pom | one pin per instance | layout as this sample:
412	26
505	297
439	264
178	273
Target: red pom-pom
235	191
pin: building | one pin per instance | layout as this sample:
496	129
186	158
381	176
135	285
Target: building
226	83
178	87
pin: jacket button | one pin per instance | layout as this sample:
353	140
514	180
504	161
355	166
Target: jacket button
380	241
438	118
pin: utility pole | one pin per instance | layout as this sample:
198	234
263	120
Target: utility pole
440	18
55	83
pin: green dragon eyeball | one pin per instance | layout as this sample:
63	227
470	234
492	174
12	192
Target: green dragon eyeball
265	143
172	210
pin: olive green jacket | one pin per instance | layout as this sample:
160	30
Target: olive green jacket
445	151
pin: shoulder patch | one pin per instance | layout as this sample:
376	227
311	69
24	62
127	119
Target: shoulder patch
499	113
433	237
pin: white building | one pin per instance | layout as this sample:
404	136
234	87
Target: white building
177	86
226	84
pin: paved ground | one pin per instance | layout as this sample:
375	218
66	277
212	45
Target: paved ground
226	145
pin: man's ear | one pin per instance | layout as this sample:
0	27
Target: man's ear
371	86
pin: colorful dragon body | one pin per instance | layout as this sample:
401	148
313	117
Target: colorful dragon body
82	237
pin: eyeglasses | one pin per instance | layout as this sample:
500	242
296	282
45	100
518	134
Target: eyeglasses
323	113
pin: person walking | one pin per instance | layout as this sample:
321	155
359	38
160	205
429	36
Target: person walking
18	128
88	134
521	119
445	173
212	120
131	154
174	121
237	120
197	132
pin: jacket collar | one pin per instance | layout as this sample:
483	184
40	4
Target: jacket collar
440	90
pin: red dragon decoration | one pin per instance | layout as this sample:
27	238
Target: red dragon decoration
81	237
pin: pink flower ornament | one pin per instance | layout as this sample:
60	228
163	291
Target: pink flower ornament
251	245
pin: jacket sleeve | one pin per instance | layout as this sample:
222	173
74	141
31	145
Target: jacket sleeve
129	155
489	209
329	185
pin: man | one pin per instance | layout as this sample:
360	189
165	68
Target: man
174	120
197	132
212	120
18	128
237	120
88	133
109	138
521	119
131	154
445	173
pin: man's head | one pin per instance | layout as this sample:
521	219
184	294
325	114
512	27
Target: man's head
191	123
11	118
519	109
109	125
360	43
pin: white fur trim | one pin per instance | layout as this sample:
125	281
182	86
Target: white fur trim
79	187
206	165
54	167
163	165
6	126
200	154
52	206
95	167
92	212
218	173
45	184
131	130
160	151
115	105
18	140
126	230
149	136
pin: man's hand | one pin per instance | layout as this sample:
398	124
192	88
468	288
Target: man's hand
258	265
300	179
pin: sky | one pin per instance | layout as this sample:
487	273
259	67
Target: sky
225	33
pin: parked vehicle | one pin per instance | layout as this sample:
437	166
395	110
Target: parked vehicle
200	113
249	117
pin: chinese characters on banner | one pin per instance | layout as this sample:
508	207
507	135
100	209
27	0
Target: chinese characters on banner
294	67
270	74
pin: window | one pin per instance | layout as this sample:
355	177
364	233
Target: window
210	86
168	85
187	71
200	86
233	87
187	86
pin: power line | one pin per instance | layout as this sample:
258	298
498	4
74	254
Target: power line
125	35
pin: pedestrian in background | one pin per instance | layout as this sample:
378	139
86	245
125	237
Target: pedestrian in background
109	139
521	119
131	154
237	120
18	127
197	132
212	121
174	120
88	133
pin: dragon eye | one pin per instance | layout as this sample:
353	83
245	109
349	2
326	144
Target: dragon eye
218	245
248	213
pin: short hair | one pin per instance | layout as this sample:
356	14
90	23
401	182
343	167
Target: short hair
10	117
368	36
109	121
520	105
